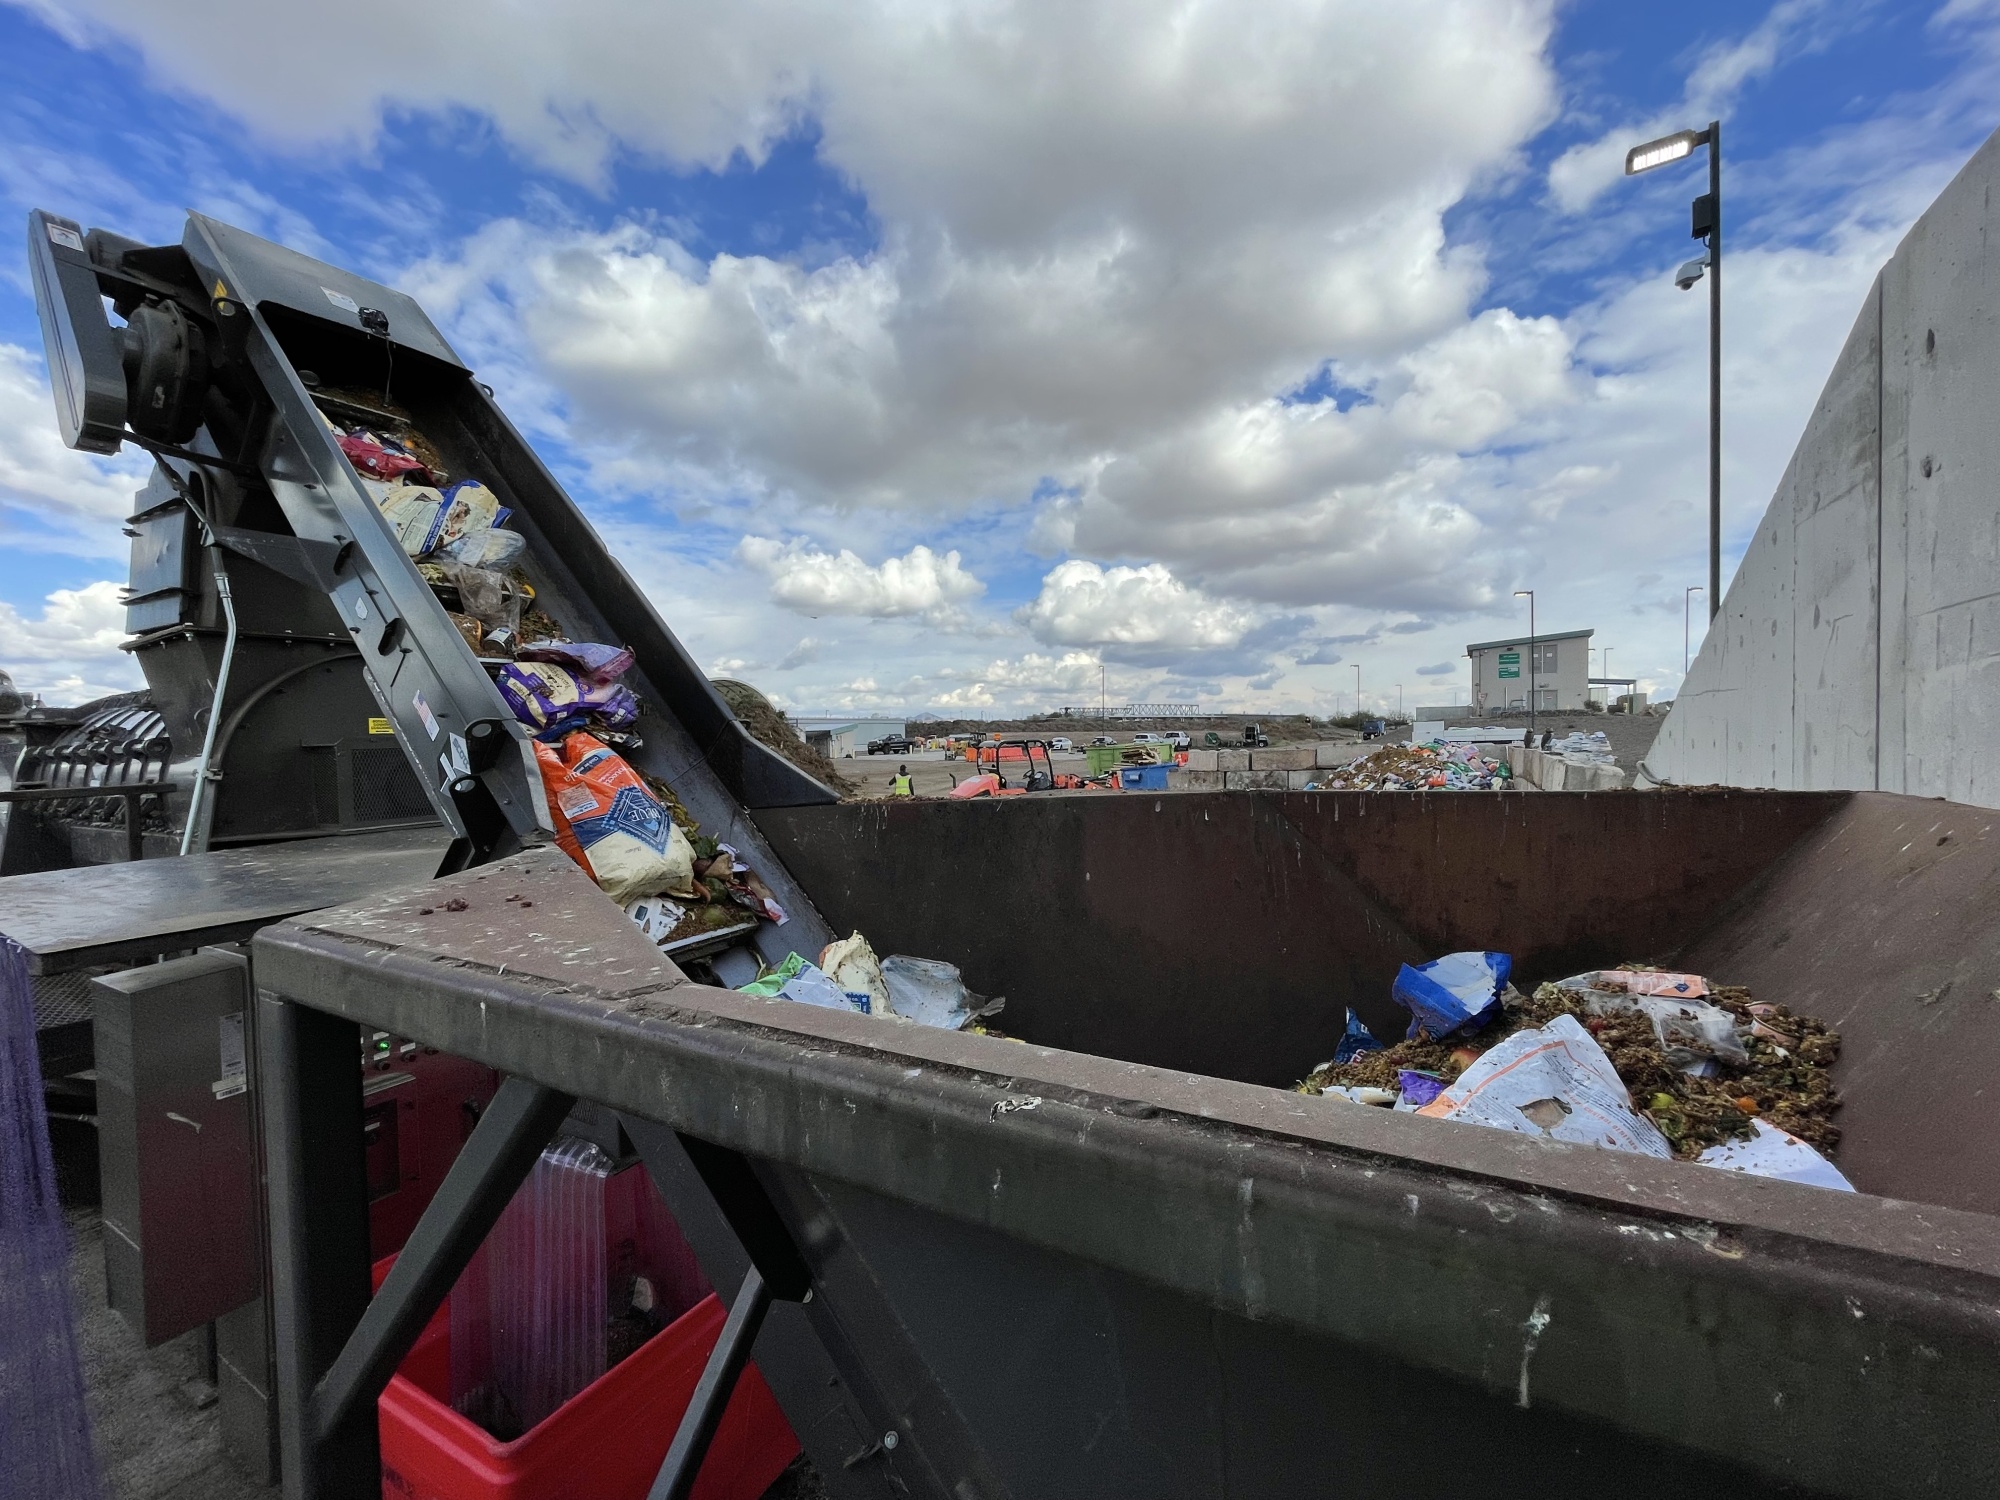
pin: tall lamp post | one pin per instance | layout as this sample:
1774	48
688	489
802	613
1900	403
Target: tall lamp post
1530	593
1357	690
1399	700
1706	225
1687	599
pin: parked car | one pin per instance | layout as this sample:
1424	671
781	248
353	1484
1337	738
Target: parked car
1104	739
1147	737
1061	742
893	744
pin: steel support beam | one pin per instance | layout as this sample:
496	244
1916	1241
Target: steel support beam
712	1392
310	1077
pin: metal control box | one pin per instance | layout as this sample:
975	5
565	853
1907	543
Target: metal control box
182	1242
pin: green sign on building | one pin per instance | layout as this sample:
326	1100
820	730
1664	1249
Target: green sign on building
1510	664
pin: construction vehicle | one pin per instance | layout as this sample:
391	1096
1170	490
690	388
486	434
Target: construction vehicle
1254	737
1110	1253
1035	772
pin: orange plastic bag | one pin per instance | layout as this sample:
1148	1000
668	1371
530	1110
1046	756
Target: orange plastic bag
610	824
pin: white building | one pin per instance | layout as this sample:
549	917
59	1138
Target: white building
1555	666
838	738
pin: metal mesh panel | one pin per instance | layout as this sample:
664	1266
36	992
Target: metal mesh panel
385	788
45	1447
62	999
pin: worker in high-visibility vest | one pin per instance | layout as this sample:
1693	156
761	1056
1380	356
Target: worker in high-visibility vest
899	784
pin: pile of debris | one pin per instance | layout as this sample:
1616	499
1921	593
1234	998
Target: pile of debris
1580	749
1415	768
849	976
1633	1058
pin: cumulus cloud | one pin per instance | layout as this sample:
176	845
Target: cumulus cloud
812	582
1083	604
51	497
1438	669
1029	679
69	652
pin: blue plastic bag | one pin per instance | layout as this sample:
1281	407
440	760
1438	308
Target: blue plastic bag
1459	992
1356	1040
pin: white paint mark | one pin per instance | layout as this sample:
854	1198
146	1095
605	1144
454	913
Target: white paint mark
1537	1321
1011	1106
1411	1201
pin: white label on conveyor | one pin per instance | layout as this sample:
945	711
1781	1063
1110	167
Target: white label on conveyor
461	757
62	234
341	300
424	712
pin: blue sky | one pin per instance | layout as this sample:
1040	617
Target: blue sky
928	358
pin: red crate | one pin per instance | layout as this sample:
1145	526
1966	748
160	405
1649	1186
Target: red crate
605	1443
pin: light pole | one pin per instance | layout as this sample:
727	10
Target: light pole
1530	593
1399	700
1604	660
1687	599
1706	225
1357	690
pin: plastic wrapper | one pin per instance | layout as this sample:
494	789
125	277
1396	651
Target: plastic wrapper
491	548
1417	1088
489	597
1773	1153
1458	992
550	699
610	824
1356	1040
801	980
584	1265
584	660
378	456
933	993
421	517
1552	1081
853	966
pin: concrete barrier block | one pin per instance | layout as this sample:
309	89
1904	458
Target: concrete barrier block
1202	760
1335	753
1283	758
1551	773
1232	760
1194	781
1255	781
1298	780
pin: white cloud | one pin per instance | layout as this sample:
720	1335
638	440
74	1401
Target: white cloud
1029	681
59	500
812	582
69	653
1082	604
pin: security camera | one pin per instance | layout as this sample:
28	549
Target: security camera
1690	272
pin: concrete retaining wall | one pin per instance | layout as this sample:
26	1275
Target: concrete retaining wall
1859	643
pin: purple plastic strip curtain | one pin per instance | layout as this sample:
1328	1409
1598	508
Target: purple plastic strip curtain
45	1449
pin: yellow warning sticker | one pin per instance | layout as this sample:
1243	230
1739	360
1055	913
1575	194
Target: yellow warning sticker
381	726
221	291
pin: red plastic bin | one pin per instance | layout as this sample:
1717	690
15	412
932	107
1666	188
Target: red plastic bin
605	1443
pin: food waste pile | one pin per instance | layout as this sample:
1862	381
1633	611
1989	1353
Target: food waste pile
1632	1058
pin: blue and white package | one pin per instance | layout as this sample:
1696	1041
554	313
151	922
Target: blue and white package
1458	992
1356	1040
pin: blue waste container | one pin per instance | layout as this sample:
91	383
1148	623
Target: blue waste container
1143	778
